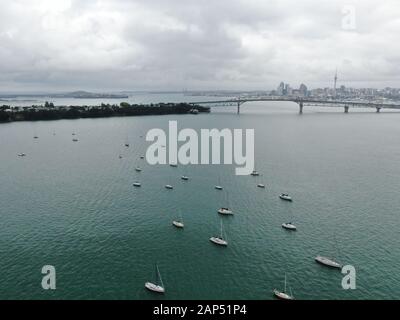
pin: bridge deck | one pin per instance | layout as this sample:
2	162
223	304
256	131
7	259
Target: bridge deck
303	101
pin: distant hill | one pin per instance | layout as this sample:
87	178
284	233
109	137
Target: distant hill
74	94
91	95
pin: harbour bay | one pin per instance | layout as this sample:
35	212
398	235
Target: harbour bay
73	205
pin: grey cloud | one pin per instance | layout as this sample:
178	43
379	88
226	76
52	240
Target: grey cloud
162	45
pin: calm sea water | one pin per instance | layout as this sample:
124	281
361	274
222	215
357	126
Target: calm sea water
72	205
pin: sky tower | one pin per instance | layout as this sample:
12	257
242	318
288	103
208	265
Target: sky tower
334	86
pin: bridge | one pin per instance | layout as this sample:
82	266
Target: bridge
303	102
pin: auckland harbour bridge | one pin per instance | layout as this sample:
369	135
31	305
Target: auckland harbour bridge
302	102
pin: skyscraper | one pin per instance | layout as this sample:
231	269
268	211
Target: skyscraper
335	83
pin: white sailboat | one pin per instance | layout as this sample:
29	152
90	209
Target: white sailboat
219	240
282	294
255	173
179	223
289	226
285	196
185	177
329	262
157	287
218	187
226	210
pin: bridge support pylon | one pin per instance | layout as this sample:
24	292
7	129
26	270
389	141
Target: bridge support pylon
346	109
378	109
301	108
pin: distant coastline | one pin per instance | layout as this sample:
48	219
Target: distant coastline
49	111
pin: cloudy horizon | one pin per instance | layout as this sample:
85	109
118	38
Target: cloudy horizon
116	45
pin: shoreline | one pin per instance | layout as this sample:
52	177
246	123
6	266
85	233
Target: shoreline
51	112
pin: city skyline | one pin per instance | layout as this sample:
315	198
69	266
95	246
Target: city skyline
66	45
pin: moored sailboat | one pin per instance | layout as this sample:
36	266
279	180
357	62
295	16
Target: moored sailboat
283	295
158	286
219	240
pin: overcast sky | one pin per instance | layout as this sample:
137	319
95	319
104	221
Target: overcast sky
197	44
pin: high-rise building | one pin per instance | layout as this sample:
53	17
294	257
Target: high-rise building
335	83
281	89
303	90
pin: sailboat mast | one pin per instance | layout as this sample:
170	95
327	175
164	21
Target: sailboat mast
285	283
159	276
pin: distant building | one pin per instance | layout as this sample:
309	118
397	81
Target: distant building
281	89
303	90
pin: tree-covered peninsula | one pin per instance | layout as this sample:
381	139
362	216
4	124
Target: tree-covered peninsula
49	111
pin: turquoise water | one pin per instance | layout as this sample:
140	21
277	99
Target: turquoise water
72	205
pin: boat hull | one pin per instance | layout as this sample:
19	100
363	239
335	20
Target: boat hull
328	262
154	288
225	212
178	224
218	241
282	295
290	227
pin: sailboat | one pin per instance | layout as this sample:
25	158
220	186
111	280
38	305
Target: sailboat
219	240
179	223
184	176
255	173
289	226
282	294
259	185
155	287
218	187
285	196
225	210
328	262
